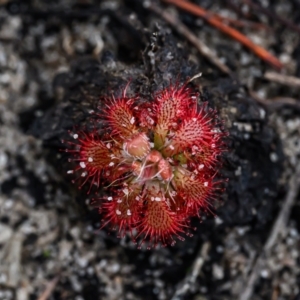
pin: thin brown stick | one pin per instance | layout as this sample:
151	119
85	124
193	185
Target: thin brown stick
238	36
191	278
277	102
239	23
286	101
49	289
273	15
278	228
182	29
291	81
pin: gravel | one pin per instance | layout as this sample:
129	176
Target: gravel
47	230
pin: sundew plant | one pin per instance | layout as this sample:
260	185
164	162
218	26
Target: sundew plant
157	162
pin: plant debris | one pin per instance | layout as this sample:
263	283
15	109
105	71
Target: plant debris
57	60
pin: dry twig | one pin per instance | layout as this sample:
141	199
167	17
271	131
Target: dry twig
184	286
279	227
283	79
275	103
242	23
211	19
182	29
10	259
258	7
49	289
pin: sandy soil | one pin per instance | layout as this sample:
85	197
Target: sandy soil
50	248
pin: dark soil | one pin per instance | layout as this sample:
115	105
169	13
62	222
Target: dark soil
57	59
